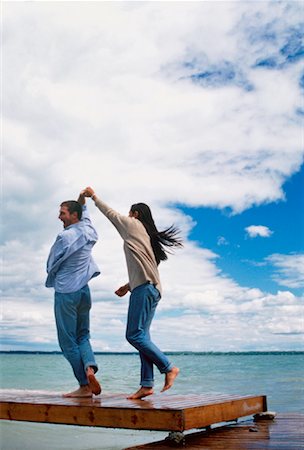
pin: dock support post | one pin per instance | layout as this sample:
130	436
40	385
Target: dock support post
266	415
176	438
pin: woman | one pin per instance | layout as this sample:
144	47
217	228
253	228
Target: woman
144	249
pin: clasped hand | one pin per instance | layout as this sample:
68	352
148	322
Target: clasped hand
88	192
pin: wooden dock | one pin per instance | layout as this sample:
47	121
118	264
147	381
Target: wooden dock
157	412
286	432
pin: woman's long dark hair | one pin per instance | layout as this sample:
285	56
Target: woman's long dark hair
159	239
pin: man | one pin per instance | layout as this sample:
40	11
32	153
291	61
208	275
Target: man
70	266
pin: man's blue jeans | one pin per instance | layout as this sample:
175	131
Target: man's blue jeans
72	313
143	302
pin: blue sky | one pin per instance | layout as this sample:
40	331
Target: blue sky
195	108
244	257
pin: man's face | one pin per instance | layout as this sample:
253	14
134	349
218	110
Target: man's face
66	217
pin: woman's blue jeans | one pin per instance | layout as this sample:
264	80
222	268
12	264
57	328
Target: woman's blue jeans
72	313
143	302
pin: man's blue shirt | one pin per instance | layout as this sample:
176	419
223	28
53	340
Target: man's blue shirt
70	265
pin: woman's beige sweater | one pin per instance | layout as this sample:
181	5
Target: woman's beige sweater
139	254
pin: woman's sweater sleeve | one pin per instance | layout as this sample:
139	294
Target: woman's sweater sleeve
118	220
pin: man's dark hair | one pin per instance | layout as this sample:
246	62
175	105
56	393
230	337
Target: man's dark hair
72	207
159	239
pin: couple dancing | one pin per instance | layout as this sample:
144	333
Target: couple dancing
70	267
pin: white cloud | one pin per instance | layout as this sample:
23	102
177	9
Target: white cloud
221	240
258	230
289	269
265	322
209	310
101	94
105	92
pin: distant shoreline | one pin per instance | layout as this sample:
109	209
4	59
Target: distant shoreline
216	353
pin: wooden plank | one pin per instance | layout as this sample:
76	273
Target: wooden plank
286	432
157	412
90	416
107	417
225	411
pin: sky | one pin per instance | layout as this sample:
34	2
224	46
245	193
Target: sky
195	108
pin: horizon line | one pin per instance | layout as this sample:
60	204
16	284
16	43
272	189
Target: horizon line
175	352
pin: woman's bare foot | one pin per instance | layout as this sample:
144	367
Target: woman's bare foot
82	392
93	382
141	393
170	377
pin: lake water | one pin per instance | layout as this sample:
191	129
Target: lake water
279	376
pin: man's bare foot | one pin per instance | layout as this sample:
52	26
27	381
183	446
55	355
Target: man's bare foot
82	392
141	393
170	377
93	382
